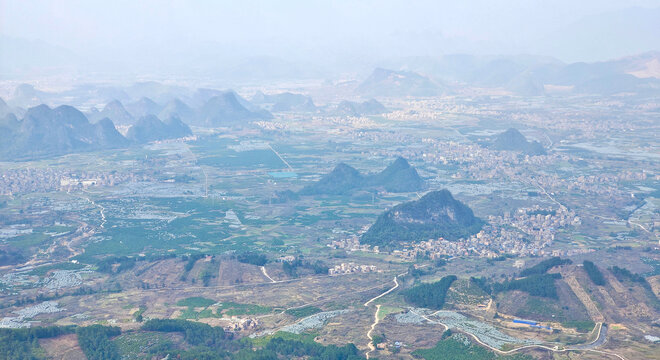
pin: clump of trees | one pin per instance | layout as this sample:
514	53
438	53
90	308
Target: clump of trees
312	350
95	342
544	266
291	268
482	283
22	344
431	295
542	285
252	258
11	257
454	347
193	332
623	274
190	264
191	260
304	311
594	273
122	263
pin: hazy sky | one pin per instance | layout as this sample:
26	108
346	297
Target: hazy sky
310	30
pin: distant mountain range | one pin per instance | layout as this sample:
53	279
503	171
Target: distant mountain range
284	101
226	110
150	128
513	140
46	132
143	107
177	108
344	179
391	83
25	95
5	109
537	75
351	108
114	111
219	108
437	214
524	75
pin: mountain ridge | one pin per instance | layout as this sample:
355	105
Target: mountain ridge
399	176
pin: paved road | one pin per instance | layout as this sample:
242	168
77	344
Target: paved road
602	336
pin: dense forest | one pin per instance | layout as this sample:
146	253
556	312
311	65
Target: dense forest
194	333
115	264
482	283
295	348
95	342
253	258
22	344
542	285
437	214
623	274
594	273
10	256
431	295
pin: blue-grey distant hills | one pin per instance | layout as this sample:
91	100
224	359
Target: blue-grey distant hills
391	83
149	128
179	109
226	110
215	108
352	108
285	101
344	179
5	109
25	95
114	111
529	75
513	140
45	132
143	107
437	214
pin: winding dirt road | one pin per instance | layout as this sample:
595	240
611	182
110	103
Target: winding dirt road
263	271
370	344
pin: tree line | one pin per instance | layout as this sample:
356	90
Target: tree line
22	344
95	342
593	272
431	295
542	285
544	266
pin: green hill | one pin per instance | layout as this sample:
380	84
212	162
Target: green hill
436	214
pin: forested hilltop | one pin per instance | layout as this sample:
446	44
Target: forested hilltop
436	214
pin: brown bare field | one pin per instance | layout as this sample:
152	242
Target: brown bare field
232	272
412	336
163	273
63	347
